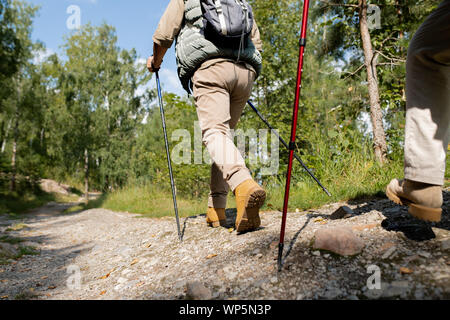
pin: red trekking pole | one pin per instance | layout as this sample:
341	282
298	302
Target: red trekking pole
294	129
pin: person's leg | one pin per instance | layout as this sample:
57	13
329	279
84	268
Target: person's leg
249	195
427	118
211	88
428	99
239	96
217	201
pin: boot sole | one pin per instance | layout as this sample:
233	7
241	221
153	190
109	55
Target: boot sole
217	224
250	219
416	210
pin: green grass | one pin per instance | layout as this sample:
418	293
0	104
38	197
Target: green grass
14	204
363	179
17	227
10	240
149	201
22	252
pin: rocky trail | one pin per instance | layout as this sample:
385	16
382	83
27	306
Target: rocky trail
380	253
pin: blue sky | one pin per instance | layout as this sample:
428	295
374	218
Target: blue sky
135	22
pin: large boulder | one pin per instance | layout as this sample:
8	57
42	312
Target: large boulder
339	240
51	186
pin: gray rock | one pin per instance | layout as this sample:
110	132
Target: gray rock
342	213
388	252
441	233
122	280
445	244
124	251
419	294
197	291
332	293
424	254
373	293
340	240
395	289
8	250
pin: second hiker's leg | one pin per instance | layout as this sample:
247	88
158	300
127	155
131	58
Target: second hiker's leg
427	118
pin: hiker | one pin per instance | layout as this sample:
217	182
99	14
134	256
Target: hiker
427	118
220	72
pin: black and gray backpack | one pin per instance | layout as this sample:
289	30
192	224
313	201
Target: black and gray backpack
227	22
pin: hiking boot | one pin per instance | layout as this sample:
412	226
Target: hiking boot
424	200
249	198
216	217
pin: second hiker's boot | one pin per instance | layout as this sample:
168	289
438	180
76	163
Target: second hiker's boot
249	198
424	200
216	217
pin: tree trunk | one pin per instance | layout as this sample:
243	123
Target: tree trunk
86	176
14	152
379	137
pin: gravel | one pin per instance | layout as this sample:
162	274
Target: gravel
100	254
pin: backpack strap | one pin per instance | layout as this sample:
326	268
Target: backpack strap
219	9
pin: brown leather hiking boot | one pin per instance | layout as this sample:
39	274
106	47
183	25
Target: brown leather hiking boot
249	198
424	200
216	217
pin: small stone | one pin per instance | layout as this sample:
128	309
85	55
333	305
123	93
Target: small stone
273	280
316	253
396	288
342	213
340	240
126	271
419	294
445	244
441	234
388	252
197	291
424	254
332	293
122	280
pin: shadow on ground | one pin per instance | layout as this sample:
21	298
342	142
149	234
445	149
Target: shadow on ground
399	220
36	276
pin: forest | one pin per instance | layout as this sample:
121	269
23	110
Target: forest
88	118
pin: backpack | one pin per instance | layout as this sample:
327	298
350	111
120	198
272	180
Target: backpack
227	22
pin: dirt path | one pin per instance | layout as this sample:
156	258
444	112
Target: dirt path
99	254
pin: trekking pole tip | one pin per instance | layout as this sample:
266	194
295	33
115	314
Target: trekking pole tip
280	256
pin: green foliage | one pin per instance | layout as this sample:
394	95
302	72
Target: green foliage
95	104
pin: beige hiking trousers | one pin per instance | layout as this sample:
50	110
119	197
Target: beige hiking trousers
428	99
221	89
